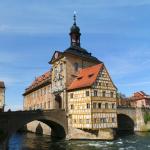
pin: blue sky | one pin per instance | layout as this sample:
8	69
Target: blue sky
115	31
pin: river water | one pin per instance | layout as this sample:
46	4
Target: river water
30	141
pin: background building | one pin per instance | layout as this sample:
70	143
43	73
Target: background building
140	99
122	100
2	96
80	84
38	96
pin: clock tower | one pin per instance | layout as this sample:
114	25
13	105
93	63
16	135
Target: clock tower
75	34
66	64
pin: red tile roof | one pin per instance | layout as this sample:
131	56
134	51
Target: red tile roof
41	78
39	81
139	96
86	77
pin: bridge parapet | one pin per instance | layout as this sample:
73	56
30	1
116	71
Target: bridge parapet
137	115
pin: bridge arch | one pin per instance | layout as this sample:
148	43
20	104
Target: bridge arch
125	123
57	127
56	119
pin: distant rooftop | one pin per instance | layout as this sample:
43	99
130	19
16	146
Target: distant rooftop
139	96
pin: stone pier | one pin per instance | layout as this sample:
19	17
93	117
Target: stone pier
101	134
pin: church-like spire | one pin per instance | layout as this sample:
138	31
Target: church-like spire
74	18
75	33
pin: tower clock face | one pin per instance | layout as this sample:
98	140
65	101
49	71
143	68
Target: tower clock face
56	55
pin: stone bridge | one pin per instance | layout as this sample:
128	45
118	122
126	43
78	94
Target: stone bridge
128	119
132	118
10	122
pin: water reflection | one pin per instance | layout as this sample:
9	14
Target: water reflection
30	141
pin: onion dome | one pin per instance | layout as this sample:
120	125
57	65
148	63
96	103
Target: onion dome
75	33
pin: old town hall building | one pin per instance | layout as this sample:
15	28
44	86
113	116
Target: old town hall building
79	83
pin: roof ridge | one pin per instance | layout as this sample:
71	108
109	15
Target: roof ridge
93	66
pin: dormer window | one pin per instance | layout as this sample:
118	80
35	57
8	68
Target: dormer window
90	75
79	78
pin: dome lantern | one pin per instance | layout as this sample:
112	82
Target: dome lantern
75	33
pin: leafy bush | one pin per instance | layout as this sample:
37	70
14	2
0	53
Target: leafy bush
146	117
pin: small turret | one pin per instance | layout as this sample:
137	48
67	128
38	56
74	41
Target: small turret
75	33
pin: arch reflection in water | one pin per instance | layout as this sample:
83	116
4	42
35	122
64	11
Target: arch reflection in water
39	129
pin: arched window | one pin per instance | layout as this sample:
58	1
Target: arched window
76	66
